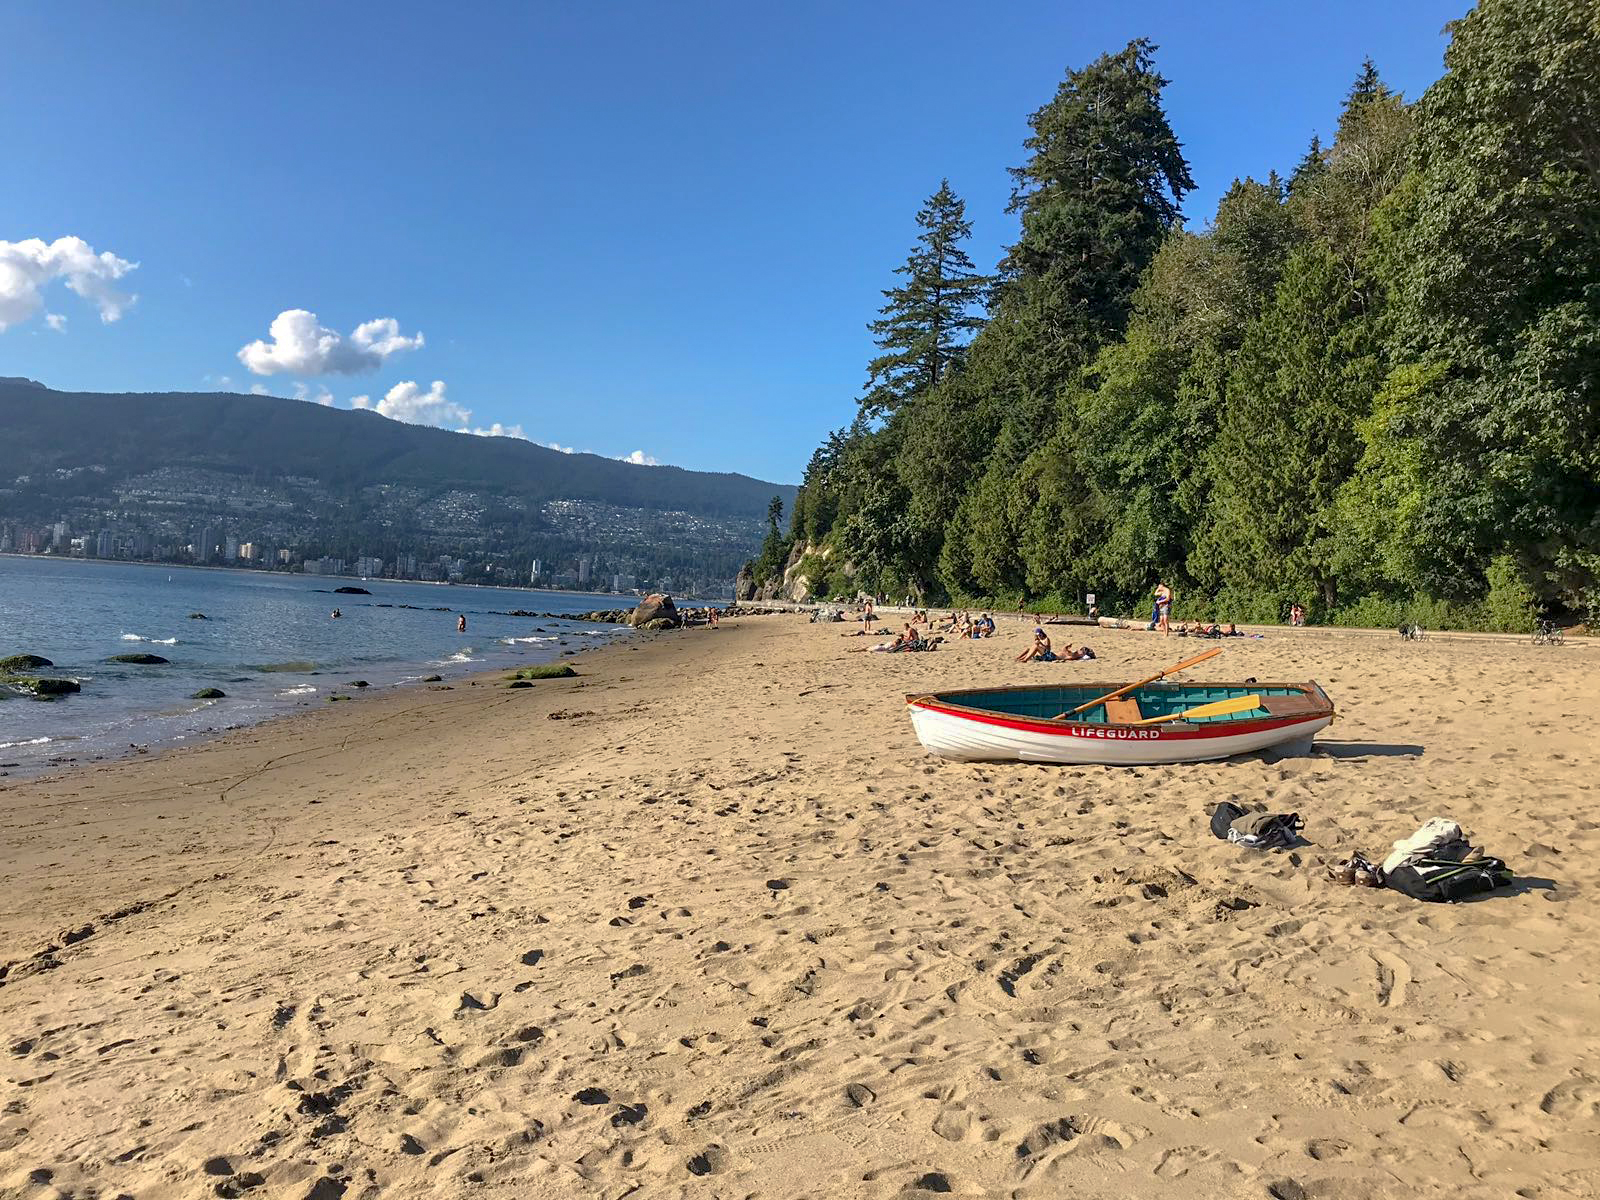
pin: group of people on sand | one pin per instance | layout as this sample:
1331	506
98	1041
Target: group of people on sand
1043	651
964	625
909	638
1214	630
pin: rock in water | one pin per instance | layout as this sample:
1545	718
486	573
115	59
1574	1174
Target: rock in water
198	617
142	660
656	607
209	694
41	688
347	590
23	662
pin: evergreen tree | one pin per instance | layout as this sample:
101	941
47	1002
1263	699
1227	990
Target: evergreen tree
1101	188
925	326
1310	168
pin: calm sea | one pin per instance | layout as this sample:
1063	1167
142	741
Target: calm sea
269	643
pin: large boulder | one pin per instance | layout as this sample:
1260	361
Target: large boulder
23	662
141	660
744	585
656	607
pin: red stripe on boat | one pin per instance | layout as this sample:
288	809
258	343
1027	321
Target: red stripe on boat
1119	733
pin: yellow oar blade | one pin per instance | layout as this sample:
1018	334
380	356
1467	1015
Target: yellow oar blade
1217	708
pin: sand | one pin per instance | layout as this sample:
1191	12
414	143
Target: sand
723	930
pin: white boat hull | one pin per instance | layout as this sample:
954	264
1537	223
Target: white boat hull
1000	739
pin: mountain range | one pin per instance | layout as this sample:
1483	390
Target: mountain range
127	433
156	469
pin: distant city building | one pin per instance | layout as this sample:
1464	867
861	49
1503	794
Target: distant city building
369	568
230	549
105	544
533	575
247	551
622	583
583	570
205	545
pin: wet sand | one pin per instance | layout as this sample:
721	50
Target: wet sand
706	922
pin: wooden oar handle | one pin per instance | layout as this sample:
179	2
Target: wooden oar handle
1123	691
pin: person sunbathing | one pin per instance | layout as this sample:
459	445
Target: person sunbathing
1040	651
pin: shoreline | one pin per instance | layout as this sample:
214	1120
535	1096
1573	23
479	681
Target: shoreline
707	909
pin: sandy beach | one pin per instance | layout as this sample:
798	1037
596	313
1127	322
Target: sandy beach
707	922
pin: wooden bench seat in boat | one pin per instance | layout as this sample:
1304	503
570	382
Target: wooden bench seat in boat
1290	706
1123	711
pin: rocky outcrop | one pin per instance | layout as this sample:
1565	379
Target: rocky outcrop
349	590
209	694
140	660
744	584
654	608
23	662
43	689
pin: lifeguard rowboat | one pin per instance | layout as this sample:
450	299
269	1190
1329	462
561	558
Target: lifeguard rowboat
1025	723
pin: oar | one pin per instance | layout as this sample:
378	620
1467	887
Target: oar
1123	691
1217	708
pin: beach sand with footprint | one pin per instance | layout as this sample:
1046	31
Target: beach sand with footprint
725	930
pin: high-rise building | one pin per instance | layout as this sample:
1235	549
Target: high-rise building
205	545
247	551
230	551
533	575
583	570
105	544
368	567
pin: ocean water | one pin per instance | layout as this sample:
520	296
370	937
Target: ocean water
269	643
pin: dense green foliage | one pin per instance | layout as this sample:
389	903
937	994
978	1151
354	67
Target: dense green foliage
1369	388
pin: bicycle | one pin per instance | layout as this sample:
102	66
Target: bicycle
1548	633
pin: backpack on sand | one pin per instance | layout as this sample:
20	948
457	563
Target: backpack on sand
1445	879
1255	831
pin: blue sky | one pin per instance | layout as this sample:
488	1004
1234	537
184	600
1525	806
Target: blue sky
620	227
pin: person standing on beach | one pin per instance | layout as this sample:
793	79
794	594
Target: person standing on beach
1164	609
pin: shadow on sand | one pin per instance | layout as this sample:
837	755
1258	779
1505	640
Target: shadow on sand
1366	750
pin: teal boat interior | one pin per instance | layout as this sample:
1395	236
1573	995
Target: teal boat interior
1153	700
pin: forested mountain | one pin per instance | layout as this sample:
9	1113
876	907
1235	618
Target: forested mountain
43	430
1371	386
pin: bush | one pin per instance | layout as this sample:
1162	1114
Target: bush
1510	603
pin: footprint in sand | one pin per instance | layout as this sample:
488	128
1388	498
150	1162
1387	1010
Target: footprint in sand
1394	977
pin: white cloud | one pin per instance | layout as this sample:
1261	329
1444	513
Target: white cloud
639	459
497	430
558	446
406	401
56	322
27	266
259	389
321	396
301	345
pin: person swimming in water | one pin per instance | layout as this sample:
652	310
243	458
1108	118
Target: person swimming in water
461	623
335	615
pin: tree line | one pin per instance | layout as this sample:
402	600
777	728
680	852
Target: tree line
1368	386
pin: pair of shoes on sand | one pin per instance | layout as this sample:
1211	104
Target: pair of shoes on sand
1356	871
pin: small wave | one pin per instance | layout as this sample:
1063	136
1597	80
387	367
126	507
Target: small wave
38	741
298	691
134	637
521	640
462	657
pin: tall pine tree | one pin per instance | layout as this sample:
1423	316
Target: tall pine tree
928	320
